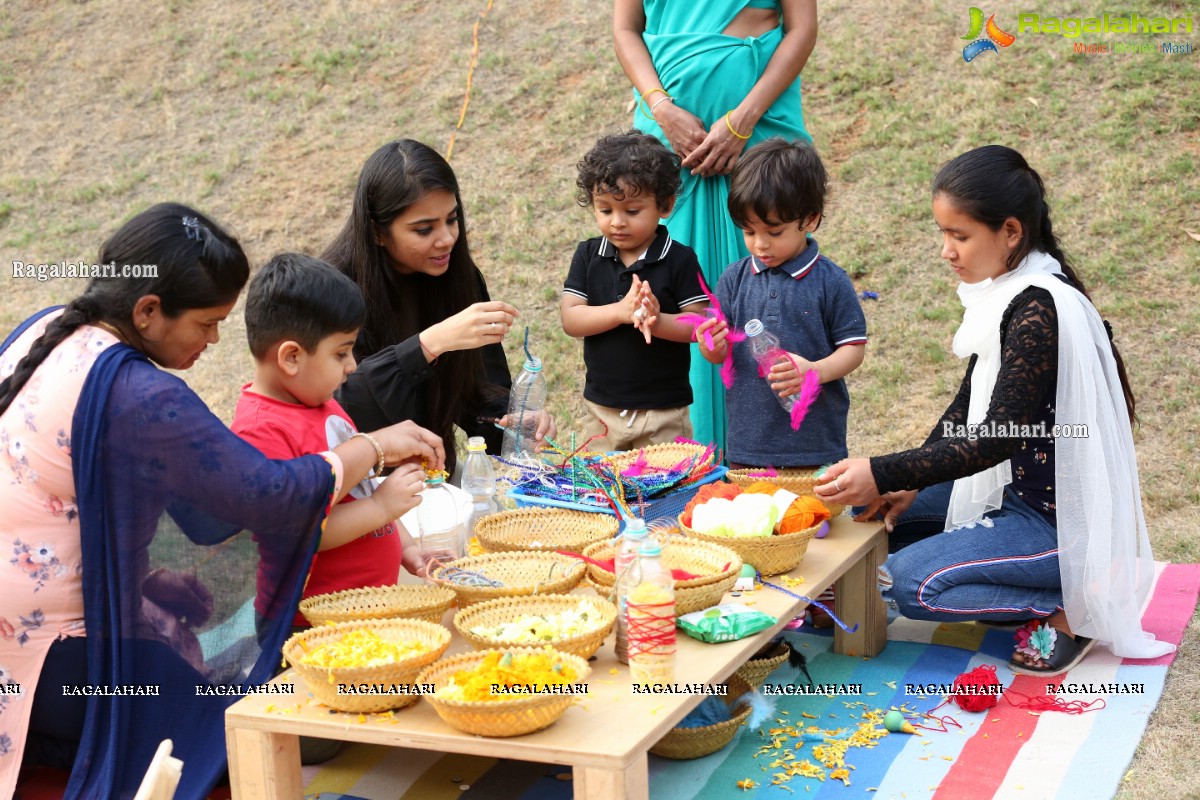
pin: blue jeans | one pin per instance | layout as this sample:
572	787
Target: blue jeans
1005	571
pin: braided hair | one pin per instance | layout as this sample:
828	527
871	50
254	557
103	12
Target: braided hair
993	183
198	266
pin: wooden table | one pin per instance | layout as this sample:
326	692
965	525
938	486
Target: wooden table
605	737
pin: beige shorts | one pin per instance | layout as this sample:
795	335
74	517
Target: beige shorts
629	429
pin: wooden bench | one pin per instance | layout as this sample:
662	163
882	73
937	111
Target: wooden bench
605	737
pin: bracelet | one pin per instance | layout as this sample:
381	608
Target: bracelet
729	125
654	107
426	350
649	92
378	451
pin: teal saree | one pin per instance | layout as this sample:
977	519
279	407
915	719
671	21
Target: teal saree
708	74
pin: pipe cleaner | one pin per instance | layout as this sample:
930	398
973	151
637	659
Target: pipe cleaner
732	335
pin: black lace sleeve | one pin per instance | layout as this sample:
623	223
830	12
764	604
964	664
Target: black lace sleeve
956	412
1028	367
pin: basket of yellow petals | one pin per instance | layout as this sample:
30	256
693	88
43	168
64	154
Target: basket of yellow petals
505	692
399	601
478	578
714	569
544	529
366	666
569	623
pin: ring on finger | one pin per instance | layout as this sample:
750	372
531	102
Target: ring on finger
494	325
837	485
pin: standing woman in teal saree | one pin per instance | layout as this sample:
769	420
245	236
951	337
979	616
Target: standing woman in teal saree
712	78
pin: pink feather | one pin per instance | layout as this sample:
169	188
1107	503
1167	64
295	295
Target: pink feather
809	390
637	467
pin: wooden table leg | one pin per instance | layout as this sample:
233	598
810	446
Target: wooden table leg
858	600
631	783
263	765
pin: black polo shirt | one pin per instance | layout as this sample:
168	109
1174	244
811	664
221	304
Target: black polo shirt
622	370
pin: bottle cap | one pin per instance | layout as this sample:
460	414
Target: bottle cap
753	327
476	443
433	480
650	548
636	527
532	364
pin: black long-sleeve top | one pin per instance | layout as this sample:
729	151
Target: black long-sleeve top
1024	394
388	387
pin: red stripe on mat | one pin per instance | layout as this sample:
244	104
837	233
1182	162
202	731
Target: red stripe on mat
985	758
1170	609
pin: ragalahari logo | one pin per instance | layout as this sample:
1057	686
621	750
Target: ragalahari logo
995	36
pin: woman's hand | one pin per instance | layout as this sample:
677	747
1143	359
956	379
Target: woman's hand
400	492
683	129
476	325
717	153
787	376
891	505
546	427
408	441
849	482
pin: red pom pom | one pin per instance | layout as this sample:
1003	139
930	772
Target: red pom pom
984	675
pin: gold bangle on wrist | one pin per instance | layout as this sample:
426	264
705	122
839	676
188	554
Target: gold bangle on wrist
729	125
378	451
649	92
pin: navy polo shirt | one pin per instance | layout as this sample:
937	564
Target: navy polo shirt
810	304
622	370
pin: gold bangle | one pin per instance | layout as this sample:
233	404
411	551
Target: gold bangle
649	92
729	125
378	451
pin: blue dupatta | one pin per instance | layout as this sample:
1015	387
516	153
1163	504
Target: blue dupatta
708	74
166	497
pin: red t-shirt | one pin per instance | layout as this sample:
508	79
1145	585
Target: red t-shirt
289	430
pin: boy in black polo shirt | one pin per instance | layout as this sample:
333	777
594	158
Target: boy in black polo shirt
624	292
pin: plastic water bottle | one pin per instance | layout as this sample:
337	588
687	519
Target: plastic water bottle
764	345
479	481
650	614
625	567
437	517
525	404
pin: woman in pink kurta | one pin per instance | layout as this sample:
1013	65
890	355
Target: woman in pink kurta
121	494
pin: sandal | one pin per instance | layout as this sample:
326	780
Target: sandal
1044	651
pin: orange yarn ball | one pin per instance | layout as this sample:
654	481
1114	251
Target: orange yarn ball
708	492
804	512
761	487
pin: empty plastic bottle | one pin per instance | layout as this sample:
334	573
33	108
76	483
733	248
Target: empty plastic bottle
525	404
479	481
437	517
765	347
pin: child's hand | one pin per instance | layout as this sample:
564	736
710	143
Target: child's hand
716	330
415	563
400	492
649	310
787	374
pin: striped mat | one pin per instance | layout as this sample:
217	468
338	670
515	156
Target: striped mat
1003	752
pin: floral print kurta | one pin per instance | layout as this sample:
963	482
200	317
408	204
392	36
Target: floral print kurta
40	561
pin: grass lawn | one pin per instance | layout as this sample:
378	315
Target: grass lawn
262	114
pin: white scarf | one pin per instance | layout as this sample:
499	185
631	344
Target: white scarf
1104	549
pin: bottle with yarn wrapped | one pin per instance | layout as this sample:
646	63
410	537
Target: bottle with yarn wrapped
625	566
650	615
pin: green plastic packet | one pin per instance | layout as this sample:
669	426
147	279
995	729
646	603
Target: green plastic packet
725	623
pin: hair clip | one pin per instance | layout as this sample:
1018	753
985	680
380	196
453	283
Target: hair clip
192	224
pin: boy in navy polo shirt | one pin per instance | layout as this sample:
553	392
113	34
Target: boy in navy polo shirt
623	294
777	196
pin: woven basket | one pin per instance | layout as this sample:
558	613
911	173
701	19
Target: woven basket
718	568
544	529
685	743
323	681
514	716
770	555
756	670
510	609
659	456
400	601
520	573
797	481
